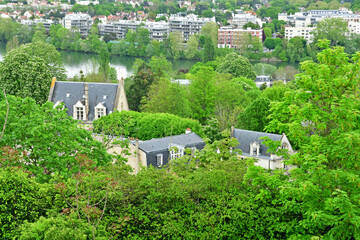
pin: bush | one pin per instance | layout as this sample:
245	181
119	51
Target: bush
144	126
20	200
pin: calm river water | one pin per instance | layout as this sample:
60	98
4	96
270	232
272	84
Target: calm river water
76	61
86	62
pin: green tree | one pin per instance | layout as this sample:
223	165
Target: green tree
104	61
27	71
264	69
210	29
269	43
230	101
268	32
237	65
21	196
168	97
202	93
333	29
13	43
160	66
139	84
209	50
176	44
47	140
255	116
321	118
38	36
192	46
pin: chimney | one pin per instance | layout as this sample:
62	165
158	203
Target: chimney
187	131
86	86
52	89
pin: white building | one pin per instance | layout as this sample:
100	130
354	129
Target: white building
158	30
240	19
303	32
188	25
78	22
32	23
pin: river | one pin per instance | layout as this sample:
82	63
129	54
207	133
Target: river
86	62
75	62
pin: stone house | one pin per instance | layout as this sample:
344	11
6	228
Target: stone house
158	152
88	101
252	146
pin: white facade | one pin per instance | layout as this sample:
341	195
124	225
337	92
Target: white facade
303	32
188	25
78	22
157	30
32	23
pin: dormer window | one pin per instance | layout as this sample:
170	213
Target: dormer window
59	105
100	110
255	149
79	111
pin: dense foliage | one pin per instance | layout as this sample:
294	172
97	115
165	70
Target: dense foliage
27	71
45	139
144	126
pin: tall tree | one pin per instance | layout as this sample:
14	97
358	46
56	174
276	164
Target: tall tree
104	60
176	44
333	29
139	85
209	50
202	93
192	46
321	117
210	29
168	97
27	71
237	65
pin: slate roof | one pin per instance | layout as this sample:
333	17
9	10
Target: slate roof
96	93
157	144
246	137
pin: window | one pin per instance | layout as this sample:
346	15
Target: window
79	113
176	152
159	160
100	110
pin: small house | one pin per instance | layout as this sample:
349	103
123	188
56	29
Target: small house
252	146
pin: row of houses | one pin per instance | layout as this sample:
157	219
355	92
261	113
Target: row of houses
90	101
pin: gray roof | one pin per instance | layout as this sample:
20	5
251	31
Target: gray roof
156	144
246	137
71	92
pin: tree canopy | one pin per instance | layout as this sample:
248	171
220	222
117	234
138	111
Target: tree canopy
237	65
27	70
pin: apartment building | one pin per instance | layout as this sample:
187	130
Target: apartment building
240	19
188	25
158	30
303	32
32	23
78	22
229	37
311	18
